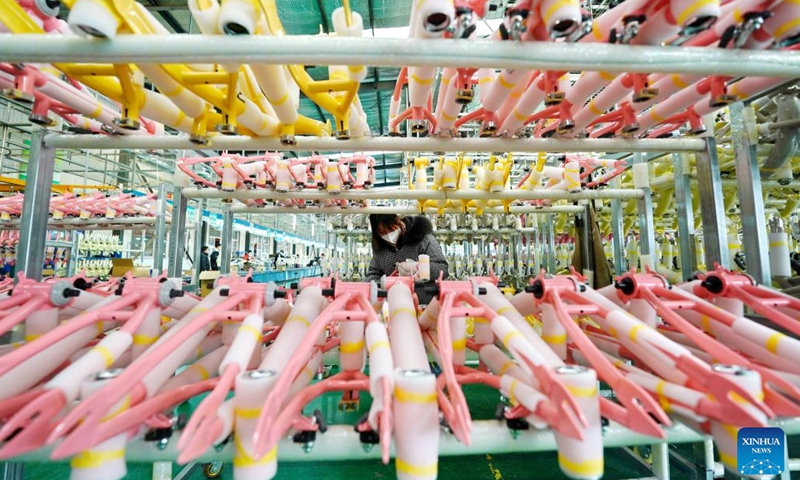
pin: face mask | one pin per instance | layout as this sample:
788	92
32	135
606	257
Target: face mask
392	236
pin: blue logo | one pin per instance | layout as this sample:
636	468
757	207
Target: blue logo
761	451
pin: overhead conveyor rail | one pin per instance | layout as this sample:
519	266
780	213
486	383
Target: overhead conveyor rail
373	144
297	49
405	194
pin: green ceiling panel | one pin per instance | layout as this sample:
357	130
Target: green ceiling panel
305	18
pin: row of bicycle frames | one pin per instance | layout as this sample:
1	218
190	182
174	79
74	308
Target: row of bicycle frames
98	364
69	205
272	170
509	101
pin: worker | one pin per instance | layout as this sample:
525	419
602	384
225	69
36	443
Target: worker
205	263
395	240
215	260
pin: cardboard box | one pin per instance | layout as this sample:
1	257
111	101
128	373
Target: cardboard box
207	282
121	266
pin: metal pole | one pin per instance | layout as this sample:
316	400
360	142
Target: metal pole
587	257
751	201
405	194
617	235
683	200
14	471
373	144
177	234
385	52
712	208
647	232
660	453
161	230
199	241
33	223
551	247
349	256
402	210
226	252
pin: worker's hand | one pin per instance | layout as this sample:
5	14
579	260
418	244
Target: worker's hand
407	268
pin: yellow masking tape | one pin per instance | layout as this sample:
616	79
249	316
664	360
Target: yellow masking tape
585	468
787	27
411	397
655	116
731	430
242	459
593	108
634	331
203	372
424	81
706	323
505	83
511	389
582	391
377	345
678	81
729	460
772	342
693	7
93	459
507	338
122	407
298	318
416	470
105	353
556	7
247	412
281	100
351	347
662	399
141	339
408	310
561	338
252	330
505	368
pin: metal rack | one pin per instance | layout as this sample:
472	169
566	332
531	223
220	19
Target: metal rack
379	52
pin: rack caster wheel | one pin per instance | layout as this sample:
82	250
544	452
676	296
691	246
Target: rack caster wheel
565	126
645	94
212	470
644	453
464	97
127	123
198	139
227	129
42	120
419	128
631	128
489	129
18	95
554	98
722	100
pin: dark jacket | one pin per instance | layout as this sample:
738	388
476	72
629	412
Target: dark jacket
215	260
417	239
205	265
